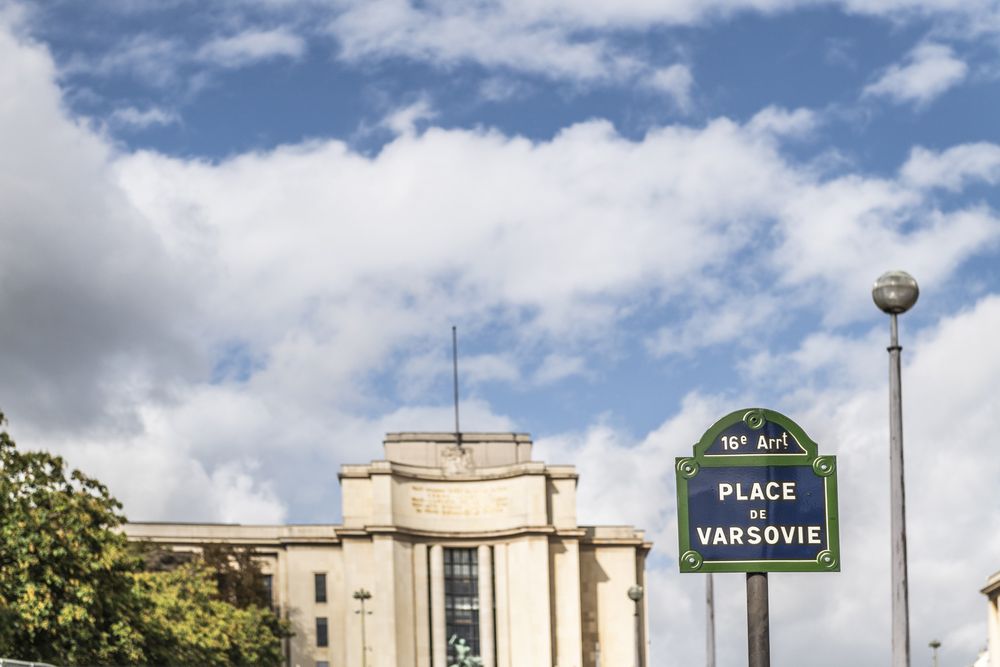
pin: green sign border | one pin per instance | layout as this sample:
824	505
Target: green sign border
823	466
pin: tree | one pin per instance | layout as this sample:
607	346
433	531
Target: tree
237	575
67	588
72	591
190	625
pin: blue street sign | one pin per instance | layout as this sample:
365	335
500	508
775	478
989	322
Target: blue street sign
757	497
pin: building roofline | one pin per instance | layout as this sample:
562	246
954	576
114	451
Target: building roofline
992	584
443	436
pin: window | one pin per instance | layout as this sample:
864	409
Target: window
322	663
269	588
322	633
461	598
320	581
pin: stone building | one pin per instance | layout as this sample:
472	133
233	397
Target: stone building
453	538
992	593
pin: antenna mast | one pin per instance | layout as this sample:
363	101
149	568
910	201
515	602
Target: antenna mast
454	359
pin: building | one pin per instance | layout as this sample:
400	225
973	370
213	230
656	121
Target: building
452	537
992	593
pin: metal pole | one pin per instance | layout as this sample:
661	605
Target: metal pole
638	638
758	621
900	586
454	366
364	638
361	595
635	595
710	622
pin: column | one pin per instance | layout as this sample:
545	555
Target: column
381	628
421	606
438	630
503	607
566	601
486	647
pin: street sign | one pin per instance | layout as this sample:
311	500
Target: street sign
757	497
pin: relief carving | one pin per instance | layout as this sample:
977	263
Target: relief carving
457	461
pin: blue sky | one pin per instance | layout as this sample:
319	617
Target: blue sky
235	240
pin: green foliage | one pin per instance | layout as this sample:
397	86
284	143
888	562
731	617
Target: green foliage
156	558
73	592
66	577
237	575
190	625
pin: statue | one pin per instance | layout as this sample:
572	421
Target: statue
462	651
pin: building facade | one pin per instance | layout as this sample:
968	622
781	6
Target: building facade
456	540
992	593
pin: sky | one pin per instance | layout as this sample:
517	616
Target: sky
234	238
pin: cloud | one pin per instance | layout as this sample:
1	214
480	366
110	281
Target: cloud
148	57
79	265
501	89
676	81
404	119
556	367
780	122
167	62
953	168
320	274
579	42
740	313
930	70
144	118
451	33
253	46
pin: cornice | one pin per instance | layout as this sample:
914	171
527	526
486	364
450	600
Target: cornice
527	468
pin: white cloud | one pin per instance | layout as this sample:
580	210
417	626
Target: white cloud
953	168
489	368
150	58
929	71
78	265
325	263
404	120
143	118
714	324
780	122
253	46
450	33
676	81
240	499
571	40
169	62
501	89
557	367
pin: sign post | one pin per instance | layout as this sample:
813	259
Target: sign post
757	497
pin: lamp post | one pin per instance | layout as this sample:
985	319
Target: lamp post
935	645
635	595
710	621
895	293
361	595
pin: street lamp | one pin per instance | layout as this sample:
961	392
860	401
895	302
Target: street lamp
361	595
635	595
895	293
709	621
935	644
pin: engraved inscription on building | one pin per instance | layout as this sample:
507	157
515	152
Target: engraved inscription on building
439	500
